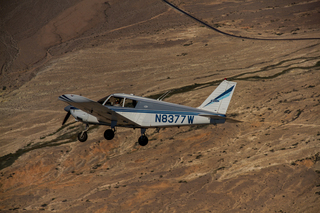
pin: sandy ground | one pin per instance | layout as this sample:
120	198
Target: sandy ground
268	163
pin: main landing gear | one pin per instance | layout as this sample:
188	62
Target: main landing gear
109	135
143	139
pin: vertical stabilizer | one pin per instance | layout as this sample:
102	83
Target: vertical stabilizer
220	98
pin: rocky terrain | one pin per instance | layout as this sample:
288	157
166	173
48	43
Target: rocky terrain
268	163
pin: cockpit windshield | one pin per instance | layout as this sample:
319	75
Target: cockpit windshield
102	100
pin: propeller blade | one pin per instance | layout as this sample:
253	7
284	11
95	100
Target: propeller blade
66	118
67	109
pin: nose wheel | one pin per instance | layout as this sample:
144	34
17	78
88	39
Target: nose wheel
83	136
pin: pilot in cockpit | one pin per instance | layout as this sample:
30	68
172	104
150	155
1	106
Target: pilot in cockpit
117	103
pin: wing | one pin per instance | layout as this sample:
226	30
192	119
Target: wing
220	118
103	113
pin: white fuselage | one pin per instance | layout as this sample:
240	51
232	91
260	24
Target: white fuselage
149	119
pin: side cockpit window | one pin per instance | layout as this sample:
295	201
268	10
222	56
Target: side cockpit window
114	101
120	102
130	103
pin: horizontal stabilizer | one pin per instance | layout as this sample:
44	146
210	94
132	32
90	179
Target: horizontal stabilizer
217	117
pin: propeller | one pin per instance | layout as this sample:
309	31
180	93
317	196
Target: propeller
67	109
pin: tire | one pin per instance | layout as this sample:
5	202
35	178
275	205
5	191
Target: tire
109	134
143	140
82	137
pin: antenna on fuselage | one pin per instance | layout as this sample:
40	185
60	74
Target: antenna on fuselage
164	95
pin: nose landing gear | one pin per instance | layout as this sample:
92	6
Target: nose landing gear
83	136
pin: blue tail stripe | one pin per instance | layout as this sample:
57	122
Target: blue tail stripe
223	95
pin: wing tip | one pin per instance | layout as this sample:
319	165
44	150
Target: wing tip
65	98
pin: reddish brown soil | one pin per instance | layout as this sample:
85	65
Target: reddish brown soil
268	163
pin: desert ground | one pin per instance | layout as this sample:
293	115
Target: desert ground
268	163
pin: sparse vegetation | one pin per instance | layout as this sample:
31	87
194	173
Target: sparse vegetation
198	156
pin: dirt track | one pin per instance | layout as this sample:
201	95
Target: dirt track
269	163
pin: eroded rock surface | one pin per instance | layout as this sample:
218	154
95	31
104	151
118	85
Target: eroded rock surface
268	163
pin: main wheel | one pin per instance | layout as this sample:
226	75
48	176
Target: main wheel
109	134
82	136
143	140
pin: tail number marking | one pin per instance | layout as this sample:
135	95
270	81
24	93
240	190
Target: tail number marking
164	118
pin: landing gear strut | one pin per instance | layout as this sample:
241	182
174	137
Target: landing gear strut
143	139
109	134
83	136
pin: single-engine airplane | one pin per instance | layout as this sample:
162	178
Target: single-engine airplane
123	110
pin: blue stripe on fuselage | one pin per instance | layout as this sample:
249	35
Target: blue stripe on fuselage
149	111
